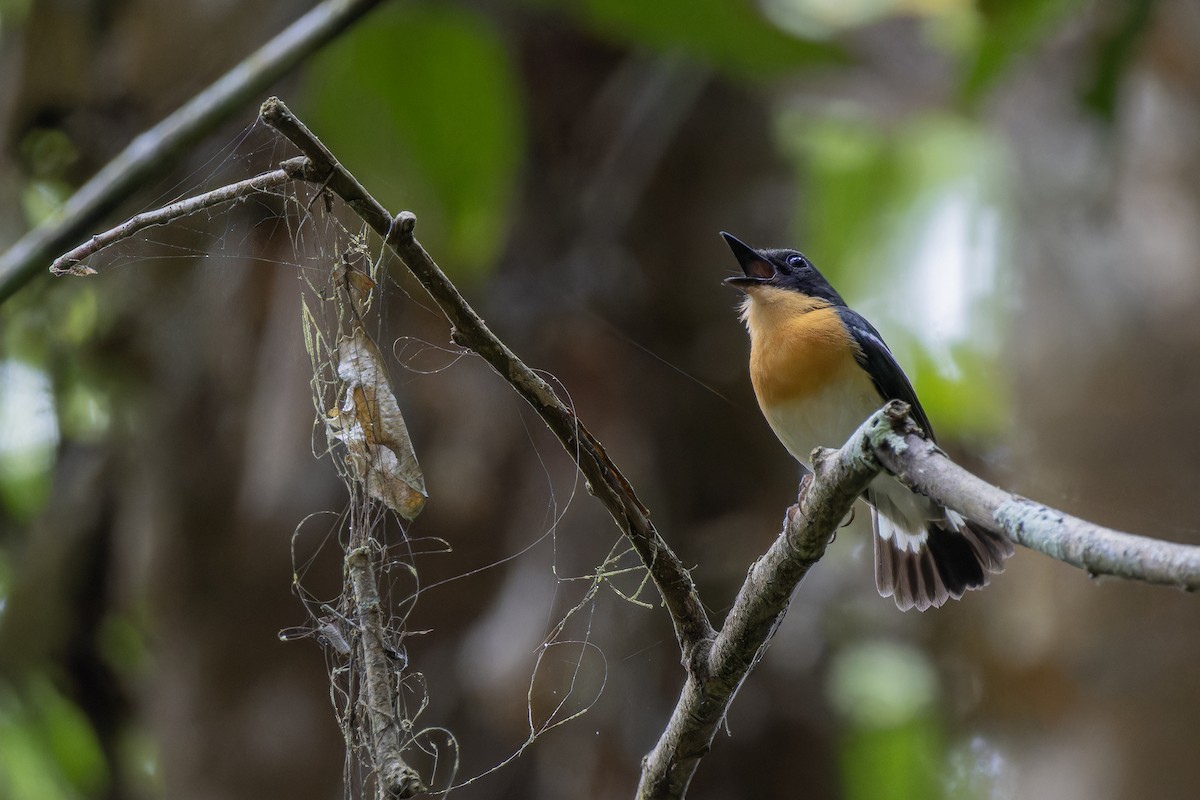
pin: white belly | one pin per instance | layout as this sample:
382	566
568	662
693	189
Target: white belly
822	419
827	419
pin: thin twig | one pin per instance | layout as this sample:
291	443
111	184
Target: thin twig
70	262
396	778
163	144
605	480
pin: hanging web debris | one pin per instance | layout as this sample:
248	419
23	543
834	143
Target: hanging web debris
377	694
369	440
379	453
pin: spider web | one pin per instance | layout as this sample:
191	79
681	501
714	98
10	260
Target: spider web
345	276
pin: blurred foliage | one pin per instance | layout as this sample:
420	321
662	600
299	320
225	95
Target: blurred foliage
25	392
43	199
907	220
425	100
122	643
47	748
731	36
47	155
6	580
51	384
1116	49
424	104
14	11
1010	29
26	450
892	747
85	389
951	24
48	152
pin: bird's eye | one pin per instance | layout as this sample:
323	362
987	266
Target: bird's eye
795	260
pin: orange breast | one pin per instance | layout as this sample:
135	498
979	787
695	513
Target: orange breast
799	346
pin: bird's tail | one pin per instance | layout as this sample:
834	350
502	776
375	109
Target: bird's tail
941	560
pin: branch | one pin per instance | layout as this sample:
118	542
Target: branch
838	478
924	468
605	481
158	147
890	440
718	662
70	262
396	778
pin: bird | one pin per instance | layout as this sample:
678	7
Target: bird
819	369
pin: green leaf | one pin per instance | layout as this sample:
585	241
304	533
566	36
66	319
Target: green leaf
422	104
48	749
70	738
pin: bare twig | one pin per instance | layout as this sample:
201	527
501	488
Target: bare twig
605	480
396	778
69	262
160	146
919	464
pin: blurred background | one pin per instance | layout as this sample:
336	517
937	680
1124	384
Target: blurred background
1010	191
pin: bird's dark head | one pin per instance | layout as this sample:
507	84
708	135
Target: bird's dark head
778	269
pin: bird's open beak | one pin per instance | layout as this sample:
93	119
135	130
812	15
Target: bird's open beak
757	270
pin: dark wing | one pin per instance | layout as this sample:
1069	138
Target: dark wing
880	364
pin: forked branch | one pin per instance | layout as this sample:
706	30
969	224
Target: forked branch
718	662
71	261
605	480
890	440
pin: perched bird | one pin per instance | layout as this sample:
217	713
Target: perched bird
819	370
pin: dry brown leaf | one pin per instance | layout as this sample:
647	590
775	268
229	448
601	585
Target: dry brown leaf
357	285
370	425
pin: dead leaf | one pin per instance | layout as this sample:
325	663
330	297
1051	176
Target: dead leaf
369	424
356	283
